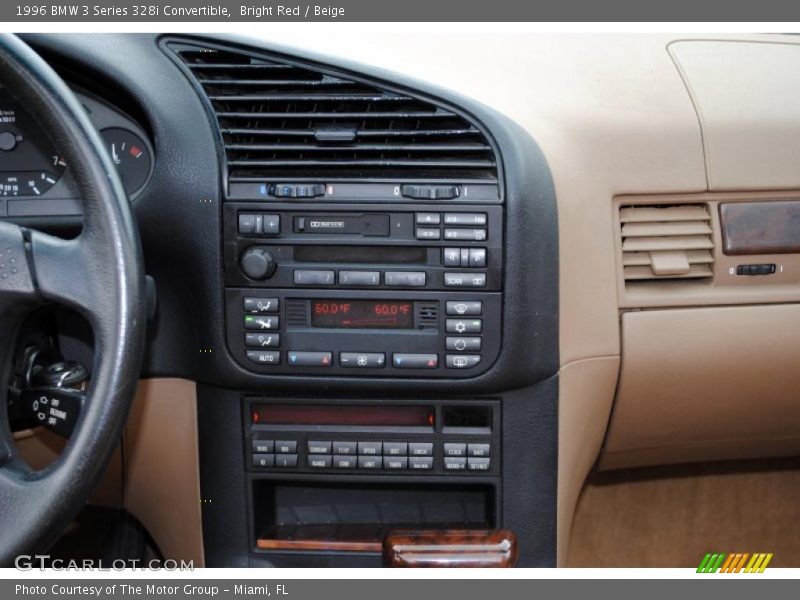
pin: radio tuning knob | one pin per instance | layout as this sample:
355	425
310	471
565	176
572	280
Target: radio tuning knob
257	263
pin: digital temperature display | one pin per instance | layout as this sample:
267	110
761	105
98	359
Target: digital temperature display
362	314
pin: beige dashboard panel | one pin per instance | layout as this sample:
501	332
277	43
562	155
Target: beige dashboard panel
162	486
586	393
746	95
702	384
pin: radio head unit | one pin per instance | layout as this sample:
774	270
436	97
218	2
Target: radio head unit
404	289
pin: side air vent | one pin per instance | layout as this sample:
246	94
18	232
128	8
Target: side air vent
666	242
279	120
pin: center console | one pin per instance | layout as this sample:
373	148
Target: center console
389	311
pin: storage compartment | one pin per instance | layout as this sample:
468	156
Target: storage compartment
706	384
355	517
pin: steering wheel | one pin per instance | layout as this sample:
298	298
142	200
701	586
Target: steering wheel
98	274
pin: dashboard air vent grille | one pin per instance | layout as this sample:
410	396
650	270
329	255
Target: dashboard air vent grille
279	120
666	242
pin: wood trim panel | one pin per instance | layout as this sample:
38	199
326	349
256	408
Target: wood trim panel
760	227
454	548
320	545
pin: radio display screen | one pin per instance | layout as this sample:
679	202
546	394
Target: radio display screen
362	314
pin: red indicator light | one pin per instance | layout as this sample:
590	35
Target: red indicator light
430	419
256	416
135	152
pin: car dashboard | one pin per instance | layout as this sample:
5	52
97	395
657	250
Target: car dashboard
388	304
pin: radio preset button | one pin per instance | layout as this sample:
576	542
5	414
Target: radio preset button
463	344
421	463
319	447
258	306
310	359
312	277
464	308
420	449
262	340
428	218
428	233
415	361
405	278
370	462
463	326
473	219
465	280
345	447
466	235
365	278
261	323
344	462
264	357
462	361
362	360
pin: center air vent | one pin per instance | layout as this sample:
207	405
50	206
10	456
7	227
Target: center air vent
279	120
666	242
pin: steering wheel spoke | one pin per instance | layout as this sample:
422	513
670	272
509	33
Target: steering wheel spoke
67	272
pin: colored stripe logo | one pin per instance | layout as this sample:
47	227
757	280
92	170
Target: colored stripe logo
739	562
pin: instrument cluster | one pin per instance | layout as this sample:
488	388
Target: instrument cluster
35	179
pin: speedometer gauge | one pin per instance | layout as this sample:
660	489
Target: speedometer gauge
29	163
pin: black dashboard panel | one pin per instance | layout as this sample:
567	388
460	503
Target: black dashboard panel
190	238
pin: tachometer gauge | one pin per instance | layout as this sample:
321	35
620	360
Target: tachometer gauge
29	163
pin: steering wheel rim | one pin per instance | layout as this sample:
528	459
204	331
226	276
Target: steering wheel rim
100	275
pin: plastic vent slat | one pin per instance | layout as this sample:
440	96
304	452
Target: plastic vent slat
362	147
641	273
281	120
448	164
640	214
666	242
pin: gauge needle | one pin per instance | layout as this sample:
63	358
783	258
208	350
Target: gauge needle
114	154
